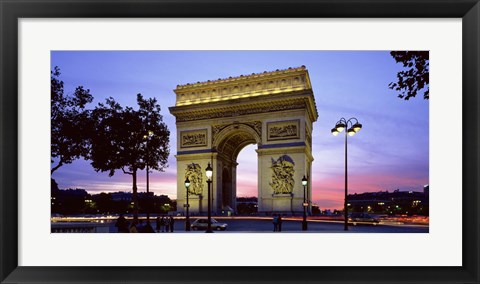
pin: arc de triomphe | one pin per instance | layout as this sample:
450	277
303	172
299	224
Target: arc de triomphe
216	119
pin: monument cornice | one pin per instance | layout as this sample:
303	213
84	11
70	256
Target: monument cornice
243	78
255	85
245	106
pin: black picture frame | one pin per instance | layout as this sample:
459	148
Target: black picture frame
11	11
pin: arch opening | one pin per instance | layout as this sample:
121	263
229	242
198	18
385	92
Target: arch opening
233	140
247	181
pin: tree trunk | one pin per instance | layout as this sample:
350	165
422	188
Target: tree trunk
135	195
56	167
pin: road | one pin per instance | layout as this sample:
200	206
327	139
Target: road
243	225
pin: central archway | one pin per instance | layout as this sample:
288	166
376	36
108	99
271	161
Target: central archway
247	173
216	119
230	141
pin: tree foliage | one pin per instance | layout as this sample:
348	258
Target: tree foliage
68	119
127	139
415	76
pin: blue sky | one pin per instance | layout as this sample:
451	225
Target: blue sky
390	152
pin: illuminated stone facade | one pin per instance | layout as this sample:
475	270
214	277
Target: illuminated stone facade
216	119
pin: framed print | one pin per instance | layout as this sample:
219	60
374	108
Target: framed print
274	105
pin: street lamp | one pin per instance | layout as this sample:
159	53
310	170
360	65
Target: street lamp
353	128
305	204
209	173
147	138
187	222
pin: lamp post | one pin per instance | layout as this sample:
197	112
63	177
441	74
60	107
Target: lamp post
147	137
352	129
187	219
209	173
305	204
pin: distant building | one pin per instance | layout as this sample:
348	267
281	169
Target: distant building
121	196
396	202
247	200
247	205
75	192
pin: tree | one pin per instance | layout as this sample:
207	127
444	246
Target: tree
104	203
68	119
127	139
415	76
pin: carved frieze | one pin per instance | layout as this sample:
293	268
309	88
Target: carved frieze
282	130
282	175
191	116
193	138
194	175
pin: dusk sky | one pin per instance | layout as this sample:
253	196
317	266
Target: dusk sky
390	152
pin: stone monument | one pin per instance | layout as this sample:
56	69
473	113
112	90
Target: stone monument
216	119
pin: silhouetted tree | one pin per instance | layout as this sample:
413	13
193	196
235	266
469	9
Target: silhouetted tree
70	201
104	203
415	77
68	118
119	139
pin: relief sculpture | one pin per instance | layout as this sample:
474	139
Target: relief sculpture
282	175
194	175
196	138
283	130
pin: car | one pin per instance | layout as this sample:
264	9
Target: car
362	218
202	224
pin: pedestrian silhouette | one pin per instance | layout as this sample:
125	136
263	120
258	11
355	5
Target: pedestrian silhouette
167	224
275	222
172	222
122	224
133	227
158	223
162	224
279	223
